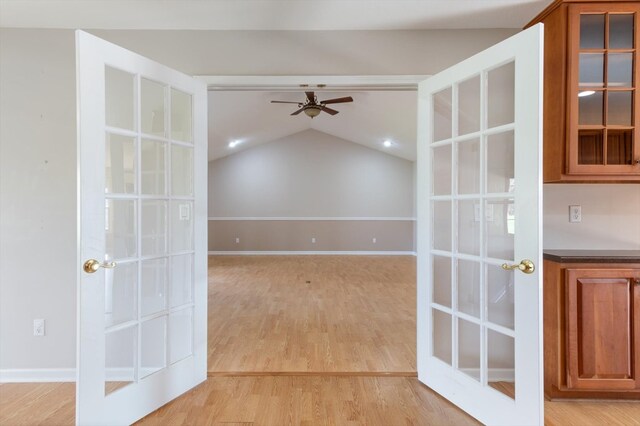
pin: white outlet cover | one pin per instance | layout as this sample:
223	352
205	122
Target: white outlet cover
38	327
575	214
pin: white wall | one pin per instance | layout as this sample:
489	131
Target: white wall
37	198
37	152
38	144
610	216
311	174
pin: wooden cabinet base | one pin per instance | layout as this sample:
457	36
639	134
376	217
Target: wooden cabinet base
592	330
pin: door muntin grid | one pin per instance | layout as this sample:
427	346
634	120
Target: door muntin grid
473	222
149	227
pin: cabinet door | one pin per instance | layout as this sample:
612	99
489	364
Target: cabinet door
603	328
604	123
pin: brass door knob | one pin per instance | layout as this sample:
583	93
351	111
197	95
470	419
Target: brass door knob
525	266
92	265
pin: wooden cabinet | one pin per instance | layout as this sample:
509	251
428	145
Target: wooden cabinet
602	306
592	330
591	91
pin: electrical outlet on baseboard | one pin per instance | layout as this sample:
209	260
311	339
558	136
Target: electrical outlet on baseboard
38	327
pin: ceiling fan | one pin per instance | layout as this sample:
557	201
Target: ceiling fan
312	107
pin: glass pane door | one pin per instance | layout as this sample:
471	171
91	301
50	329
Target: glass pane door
479	173
143	162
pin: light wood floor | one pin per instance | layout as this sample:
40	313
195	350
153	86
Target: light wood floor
312	313
356	316
301	400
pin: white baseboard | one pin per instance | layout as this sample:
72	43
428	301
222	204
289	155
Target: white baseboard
37	375
26	375
299	253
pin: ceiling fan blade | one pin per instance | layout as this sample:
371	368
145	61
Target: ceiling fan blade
310	96
298	111
337	100
284	102
329	110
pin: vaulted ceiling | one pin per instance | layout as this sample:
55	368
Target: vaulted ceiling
269	14
249	118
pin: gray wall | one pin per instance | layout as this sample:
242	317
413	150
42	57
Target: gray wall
301	178
38	144
37	198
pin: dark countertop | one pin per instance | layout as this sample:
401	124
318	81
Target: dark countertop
592	256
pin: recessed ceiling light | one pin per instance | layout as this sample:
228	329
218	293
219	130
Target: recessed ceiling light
387	144
586	93
233	144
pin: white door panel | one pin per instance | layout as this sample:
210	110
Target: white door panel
479	207
142	211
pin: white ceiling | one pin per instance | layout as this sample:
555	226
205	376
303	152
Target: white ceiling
269	14
372	118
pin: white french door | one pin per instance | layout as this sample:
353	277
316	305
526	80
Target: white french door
142	290
479	217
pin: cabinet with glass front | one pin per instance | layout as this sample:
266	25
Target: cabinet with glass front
591	100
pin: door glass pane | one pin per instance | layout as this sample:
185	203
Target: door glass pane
469	106
154	227
500	163
120	229
469	167
469	348
181	280
590	108
181	225
620	108
120	164
591	31
501	363
442	336
442	280
153	346
500	219
469	227
621	31
620	71
501	95
120	98
469	287
180	332
500	296
591	70
153	167
619	146
181	116
121	293
181	170
442	225
442	120
441	164
120	358
152	116
154	286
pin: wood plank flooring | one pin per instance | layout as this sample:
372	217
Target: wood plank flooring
284	351
312	313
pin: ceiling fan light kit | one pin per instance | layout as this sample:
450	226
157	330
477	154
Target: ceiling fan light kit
311	106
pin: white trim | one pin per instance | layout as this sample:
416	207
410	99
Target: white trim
331	82
314	253
37	375
310	219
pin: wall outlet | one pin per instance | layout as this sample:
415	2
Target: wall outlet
313	240
575	214
38	327
373	240
237	240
